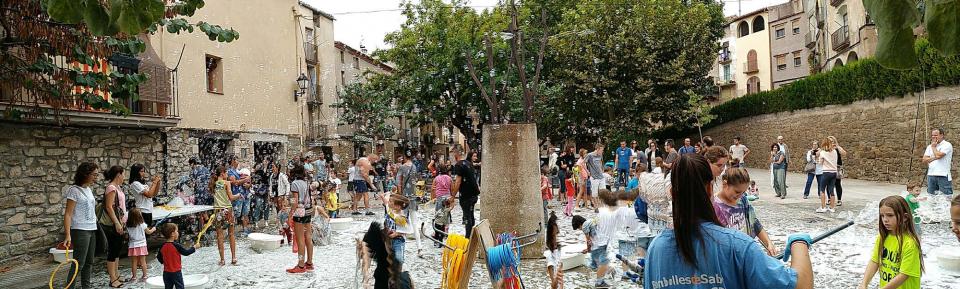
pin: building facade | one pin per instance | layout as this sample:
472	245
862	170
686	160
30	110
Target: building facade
752	52
789	56
840	32
724	67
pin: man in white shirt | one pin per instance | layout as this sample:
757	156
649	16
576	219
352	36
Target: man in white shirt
739	151
938	157
786	153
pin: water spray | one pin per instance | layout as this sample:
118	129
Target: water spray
824	235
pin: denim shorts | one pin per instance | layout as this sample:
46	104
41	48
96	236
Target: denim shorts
627	248
398	247
598	256
241	207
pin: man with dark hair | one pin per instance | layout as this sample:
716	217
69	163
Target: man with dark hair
938	157
624	157
739	151
707	142
672	155
594	162
465	187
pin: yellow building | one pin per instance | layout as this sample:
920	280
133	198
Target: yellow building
238	97
752	52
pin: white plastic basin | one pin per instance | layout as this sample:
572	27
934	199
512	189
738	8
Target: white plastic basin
572	257
192	281
262	241
341	224
59	255
949	259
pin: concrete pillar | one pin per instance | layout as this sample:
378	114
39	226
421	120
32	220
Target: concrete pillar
510	182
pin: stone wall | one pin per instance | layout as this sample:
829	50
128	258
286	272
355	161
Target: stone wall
878	134
39	161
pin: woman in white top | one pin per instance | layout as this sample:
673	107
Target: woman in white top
828	159
142	194
283	187
80	221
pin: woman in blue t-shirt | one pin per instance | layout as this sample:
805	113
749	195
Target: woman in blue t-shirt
713	256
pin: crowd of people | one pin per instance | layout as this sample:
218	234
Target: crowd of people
654	204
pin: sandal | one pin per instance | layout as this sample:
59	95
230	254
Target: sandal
222	262
234	262
116	286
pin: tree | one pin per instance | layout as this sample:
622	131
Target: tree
633	72
44	42
896	20
367	106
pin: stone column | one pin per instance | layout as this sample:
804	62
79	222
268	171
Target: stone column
510	183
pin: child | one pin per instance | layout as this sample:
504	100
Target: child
546	192
598	233
753	192
896	252
631	229
223	211
396	223
608	177
734	211
955	216
330	197
658	169
169	256
283	222
913	199
137	231
570	182
554	259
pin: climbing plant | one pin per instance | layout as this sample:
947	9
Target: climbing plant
54	53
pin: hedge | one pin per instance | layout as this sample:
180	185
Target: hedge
860	80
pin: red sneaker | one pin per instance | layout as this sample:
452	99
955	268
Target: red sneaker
308	266
296	270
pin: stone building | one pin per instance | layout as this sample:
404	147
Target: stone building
789	56
839	32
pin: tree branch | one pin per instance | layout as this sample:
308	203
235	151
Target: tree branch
483	90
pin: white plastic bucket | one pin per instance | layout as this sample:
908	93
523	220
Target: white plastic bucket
192	281
572	257
341	224
264	242
948	258
59	255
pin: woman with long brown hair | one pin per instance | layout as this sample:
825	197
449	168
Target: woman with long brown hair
716	256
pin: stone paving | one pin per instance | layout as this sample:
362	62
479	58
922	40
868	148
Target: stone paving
838	261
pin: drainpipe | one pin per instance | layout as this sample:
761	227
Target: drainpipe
166	165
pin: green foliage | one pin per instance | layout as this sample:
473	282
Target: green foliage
895	20
368	106
860	80
635	69
104	18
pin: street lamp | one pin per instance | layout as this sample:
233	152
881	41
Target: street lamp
302	82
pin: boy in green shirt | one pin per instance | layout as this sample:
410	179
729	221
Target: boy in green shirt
913	200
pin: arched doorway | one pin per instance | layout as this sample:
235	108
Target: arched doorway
838	63
852	57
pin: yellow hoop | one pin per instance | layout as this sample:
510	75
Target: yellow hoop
207	226
67	260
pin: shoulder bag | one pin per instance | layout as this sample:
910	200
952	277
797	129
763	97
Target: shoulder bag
811	166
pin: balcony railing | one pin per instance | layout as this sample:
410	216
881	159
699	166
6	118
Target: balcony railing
836	3
750	67
313	95
809	40
156	106
724	58
310	51
840	38
316	134
725	82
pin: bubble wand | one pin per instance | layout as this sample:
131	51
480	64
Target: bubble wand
67	260
822	236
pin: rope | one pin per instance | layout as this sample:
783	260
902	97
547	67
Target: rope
67	260
503	261
453	261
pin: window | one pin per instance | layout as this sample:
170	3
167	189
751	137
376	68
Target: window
758	24
214	74
797	61
341	57
752	61
781	61
343	78
753	85
796	26
308	37
356	63
726	73
781	33
743	29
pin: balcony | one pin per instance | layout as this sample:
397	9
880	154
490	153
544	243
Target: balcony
314	96
725	82
316	135
840	38
724	58
310	52
836	3
155	108
750	67
810	40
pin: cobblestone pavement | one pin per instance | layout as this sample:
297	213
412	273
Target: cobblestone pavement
838	261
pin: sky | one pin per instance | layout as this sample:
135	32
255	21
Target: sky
367	21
